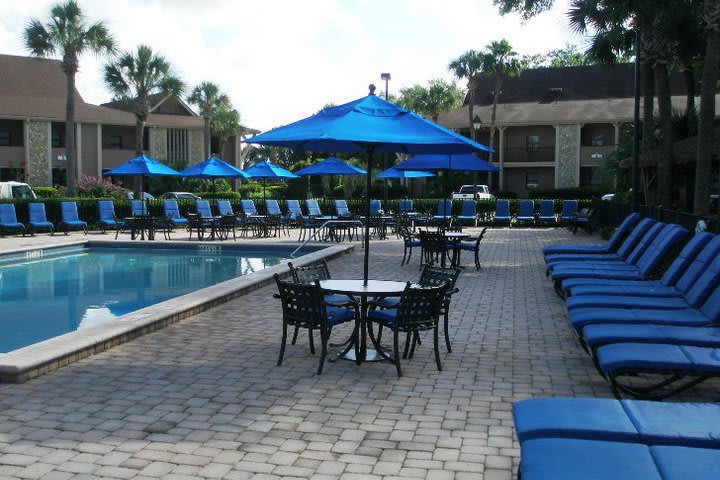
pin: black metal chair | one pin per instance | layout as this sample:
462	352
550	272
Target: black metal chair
418	310
410	241
473	246
433	247
307	275
303	306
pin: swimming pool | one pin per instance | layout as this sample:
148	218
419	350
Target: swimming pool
47	293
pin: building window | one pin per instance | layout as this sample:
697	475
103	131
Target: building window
177	145
4	138
115	142
532	180
58	140
597	140
532	143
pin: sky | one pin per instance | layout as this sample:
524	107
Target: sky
283	60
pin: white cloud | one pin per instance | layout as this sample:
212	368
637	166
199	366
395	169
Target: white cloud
281	60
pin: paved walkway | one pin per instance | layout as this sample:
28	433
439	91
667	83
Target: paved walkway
204	398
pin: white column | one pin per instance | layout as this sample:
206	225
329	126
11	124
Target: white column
617	134
99	159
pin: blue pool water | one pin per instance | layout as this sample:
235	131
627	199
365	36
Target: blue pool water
48	296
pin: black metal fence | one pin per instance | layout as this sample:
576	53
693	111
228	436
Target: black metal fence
612	213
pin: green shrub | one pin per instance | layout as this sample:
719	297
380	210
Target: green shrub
46	192
225	195
507	194
97	187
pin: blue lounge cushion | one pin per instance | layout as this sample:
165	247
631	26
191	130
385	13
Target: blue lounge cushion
575	249
658	357
683	463
74	223
385	316
638	289
603	334
681	424
41	224
647	303
612	244
631	274
337	315
579	459
583	317
11	225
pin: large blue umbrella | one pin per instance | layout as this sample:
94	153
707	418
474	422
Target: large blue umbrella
330	166
369	124
393	172
213	168
447	163
267	170
141	166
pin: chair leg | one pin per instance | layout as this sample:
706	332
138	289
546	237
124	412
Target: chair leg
447	333
396	350
312	342
323	349
437	349
408	340
282	345
295	335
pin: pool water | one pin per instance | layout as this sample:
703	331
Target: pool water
50	296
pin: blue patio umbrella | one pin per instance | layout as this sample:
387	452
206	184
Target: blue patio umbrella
213	168
447	163
141	166
330	166
393	172
267	170
371	125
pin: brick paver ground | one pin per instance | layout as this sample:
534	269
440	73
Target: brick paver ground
204	398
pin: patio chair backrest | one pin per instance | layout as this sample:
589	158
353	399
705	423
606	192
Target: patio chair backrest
437	276
711	307
406	205
106	210
273	208
7	213
670	236
248	207
36	213
502	208
469	208
341	208
547	208
203	208
293	207
310	273
685	258
419	307
569	208
313	208
635	236
699	264
432	242
171	209
138	207
224	208
622	231
375	207
69	212
706	282
637	252
527	208
303	304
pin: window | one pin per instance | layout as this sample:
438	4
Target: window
532	143
115	142
5	138
532	180
177	145
597	140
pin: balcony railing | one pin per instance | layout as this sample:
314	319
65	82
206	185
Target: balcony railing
543	154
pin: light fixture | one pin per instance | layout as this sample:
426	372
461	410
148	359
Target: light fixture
476	122
385	77
62	157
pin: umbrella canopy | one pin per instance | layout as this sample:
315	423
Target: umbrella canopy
330	166
141	166
447	162
371	125
212	168
392	172
267	169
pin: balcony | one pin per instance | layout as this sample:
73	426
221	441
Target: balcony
593	156
543	154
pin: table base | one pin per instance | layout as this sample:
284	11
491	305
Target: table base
370	356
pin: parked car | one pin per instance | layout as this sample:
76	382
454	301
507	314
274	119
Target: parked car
16	190
470	192
179	196
145	196
608	197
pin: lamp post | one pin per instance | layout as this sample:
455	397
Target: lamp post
386	77
476	124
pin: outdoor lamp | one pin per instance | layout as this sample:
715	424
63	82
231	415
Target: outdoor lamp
476	122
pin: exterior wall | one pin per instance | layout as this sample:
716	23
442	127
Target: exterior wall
88	165
567	156
38	153
515	179
126	133
515	144
607	130
15	129
195	148
158	143
12	157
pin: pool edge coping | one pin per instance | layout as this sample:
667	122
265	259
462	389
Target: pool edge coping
21	365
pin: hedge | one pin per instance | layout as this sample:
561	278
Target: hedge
568	193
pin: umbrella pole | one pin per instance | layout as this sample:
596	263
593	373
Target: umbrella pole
368	190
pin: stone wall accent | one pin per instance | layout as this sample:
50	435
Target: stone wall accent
196	141
38	149
158	144
568	156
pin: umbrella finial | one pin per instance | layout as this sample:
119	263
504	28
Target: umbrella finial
372	89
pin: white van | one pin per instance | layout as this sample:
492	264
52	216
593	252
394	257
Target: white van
16	190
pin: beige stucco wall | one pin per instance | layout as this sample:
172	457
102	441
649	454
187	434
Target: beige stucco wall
196	142
158	143
38	148
515	179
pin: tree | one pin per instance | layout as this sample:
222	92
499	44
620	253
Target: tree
209	100
569	56
135	77
500	61
468	65
68	34
225	123
439	96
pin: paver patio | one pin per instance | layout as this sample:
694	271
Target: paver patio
204	398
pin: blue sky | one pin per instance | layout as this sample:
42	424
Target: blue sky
281	60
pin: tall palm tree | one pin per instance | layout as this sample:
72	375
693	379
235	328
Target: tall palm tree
224	124
500	61
703	167
468	66
67	33
208	98
439	96
135	77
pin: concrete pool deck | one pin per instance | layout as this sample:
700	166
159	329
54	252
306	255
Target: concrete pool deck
203	398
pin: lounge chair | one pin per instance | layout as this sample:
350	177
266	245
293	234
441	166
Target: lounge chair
526	212
294	210
273	207
107	217
502	212
612	244
277	221
172	213
138	208
248	207
8	220
547	212
202	207
375	207
406	206
569	210
684	270
37	219
444	210
583	220
313	208
341	209
225	208
468	213
70	219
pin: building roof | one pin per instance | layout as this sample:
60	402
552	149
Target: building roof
548	85
31	77
159	103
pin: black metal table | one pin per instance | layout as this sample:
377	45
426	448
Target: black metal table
139	224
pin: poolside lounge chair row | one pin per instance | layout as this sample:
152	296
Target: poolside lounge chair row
37	219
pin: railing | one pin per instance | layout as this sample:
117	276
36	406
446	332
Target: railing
522	154
611	214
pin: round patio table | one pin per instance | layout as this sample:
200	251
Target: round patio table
454	237
358	288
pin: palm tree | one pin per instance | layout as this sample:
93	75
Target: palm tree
208	98
224	124
439	96
468	65
135	77
67	33
499	61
